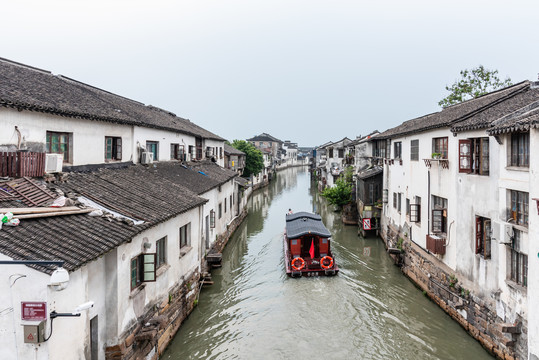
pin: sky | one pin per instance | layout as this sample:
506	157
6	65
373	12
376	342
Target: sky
306	71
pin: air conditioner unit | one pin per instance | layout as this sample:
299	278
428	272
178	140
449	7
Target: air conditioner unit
53	163
146	158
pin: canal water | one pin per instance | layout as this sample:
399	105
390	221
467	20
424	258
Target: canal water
368	311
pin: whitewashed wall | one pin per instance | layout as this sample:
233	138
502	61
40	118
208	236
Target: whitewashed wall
132	304
86	134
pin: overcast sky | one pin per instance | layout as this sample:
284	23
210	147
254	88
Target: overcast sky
308	71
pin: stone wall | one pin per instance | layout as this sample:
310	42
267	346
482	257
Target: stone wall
151	334
476	315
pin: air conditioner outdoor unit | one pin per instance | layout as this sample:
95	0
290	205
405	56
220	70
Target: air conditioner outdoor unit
53	163
146	158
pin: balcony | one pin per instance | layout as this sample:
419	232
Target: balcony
21	164
436	244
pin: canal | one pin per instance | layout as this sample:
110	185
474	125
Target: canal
369	311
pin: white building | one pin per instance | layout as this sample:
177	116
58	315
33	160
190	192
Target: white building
457	187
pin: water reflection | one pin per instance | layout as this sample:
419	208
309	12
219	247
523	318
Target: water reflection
368	311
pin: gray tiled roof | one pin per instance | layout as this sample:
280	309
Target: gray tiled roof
24	87
232	150
264	137
453	114
490	117
520	120
136	191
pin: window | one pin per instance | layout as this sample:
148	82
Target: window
330	152
439	145
225	205
113	148
519	207
212	219
230	202
415	210
482	236
220	211
177	152
341	153
407	207
185	236
474	156
520	149
519	261
399	200
394	200
379	149
60	143
220	152
161	252
388	148
439	214
153	147
397	150
414	150
142	269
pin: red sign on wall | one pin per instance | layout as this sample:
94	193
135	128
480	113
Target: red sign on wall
34	311
366	224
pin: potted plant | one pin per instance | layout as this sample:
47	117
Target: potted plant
436	155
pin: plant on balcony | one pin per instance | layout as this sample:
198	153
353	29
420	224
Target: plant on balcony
436	155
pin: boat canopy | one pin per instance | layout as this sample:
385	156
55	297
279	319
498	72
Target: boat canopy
305	223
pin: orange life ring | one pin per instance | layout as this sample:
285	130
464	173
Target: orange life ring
326	267
294	266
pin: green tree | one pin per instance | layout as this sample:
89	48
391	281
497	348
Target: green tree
473	83
341	193
254	160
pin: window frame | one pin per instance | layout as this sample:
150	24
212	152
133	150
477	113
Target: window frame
115	148
439	215
185	236
474	156
397	150
153	144
440	145
519	207
212	219
519	154
140	272
67	145
483	230
161	252
518	266
414	150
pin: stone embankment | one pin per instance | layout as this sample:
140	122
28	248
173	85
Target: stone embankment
476	315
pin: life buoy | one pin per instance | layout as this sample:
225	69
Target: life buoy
301	265
325	258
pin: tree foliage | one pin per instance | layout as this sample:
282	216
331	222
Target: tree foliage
254	160
341	193
473	83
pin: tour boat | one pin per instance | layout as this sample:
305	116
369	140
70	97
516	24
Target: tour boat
307	246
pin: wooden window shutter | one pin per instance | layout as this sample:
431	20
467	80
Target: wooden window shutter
478	235
415	213
119	148
437	220
148	266
484	170
486	239
465	156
